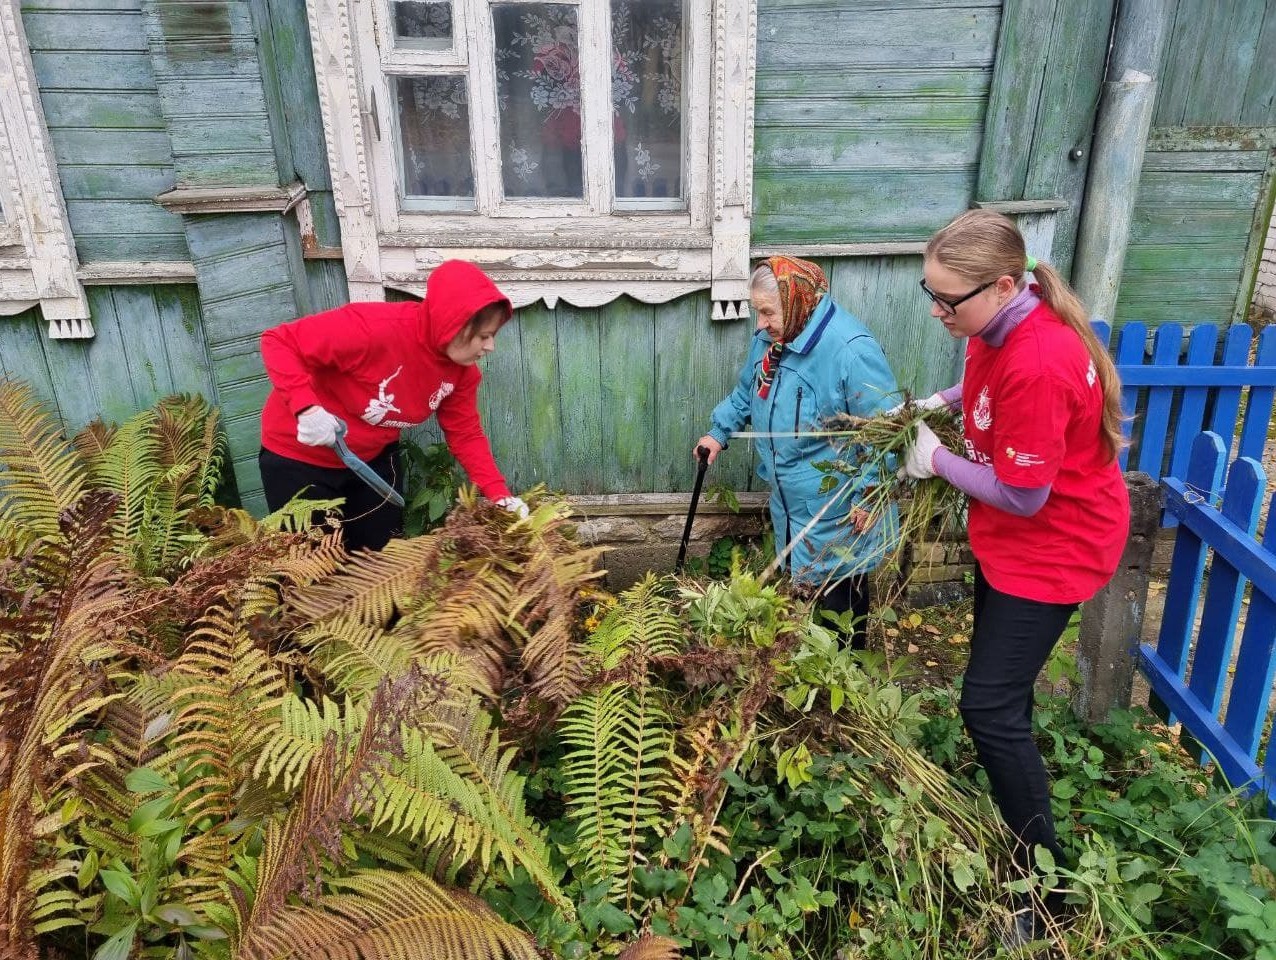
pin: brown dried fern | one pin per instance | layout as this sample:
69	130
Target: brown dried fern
383	915
651	947
50	686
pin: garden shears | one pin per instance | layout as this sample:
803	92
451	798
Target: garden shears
361	469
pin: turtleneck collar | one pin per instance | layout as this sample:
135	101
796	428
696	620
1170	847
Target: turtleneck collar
1010	315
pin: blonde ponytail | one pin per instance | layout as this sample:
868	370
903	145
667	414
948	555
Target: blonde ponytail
982	245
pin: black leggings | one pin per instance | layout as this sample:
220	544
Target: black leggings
849	594
370	520
1012	640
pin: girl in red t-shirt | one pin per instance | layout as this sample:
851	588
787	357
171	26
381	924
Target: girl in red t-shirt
1049	514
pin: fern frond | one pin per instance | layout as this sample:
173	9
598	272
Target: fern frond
381	915
130	467
373	587
92	441
597	786
651	947
334	789
54	680
43	475
224	716
642	622
454	785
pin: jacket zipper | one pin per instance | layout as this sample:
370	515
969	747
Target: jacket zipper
775	470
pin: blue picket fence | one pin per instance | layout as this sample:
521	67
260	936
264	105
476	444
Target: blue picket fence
1193	389
1190	667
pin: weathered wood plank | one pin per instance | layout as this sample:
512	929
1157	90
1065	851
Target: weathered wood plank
541	396
502	407
85	30
679	421
862	206
1208	160
96	248
244	400
110	147
103	69
1218	90
1013	101
22	354
865	113
779	147
629	407
1166	223
721	350
294	72
102	182
1259	102
120	217
580	394
962	36
1213	261
849	80
1238	190
182	332
97	109
1182	54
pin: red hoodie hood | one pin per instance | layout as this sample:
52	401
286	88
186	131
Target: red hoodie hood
455	291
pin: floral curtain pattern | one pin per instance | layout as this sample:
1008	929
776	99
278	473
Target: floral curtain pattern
434	125
538	93
423	24
646	94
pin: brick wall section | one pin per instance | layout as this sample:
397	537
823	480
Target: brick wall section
642	532
1265	286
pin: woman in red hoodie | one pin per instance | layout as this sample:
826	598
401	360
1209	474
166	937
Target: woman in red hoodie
380	367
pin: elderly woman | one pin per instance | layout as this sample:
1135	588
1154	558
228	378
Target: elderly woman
809	359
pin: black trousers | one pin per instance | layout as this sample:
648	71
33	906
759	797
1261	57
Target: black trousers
850	594
1012	640
369	521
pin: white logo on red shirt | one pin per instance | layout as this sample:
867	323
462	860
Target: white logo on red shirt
1022	459
1091	375
982	414
382	403
441	394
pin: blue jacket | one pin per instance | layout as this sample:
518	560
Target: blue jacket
834	366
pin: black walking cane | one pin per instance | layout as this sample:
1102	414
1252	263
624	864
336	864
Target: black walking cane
703	454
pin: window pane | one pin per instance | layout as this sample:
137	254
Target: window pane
434	125
423	24
538	92
646	95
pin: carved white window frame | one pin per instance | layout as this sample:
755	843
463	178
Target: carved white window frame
568	251
37	253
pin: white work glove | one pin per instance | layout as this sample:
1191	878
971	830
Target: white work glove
919	461
514	505
934	402
316	427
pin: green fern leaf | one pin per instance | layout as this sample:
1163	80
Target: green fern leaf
43	475
381	915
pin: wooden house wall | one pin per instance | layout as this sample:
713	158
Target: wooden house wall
110	138
149	344
1205	196
876	122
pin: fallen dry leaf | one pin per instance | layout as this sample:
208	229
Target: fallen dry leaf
913	648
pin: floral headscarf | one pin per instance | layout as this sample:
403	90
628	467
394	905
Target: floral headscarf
802	285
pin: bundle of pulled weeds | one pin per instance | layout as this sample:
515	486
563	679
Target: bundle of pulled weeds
929	509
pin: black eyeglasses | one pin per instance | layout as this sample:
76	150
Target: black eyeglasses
952	305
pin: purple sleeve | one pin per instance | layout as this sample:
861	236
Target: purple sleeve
952	396
979	480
